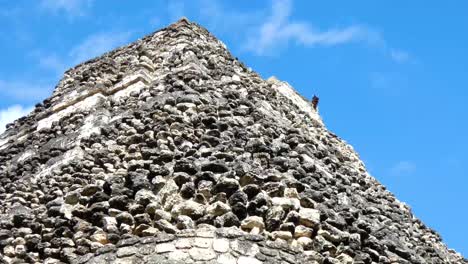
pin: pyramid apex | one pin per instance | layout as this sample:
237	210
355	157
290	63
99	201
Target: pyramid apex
183	20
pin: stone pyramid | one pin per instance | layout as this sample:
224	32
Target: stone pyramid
170	150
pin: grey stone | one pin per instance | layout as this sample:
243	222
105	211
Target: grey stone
221	245
309	217
202	254
245	248
165	247
163	237
145	197
217	208
227	185
226	259
185	222
188	208
248	260
181	256
126	251
227	220
253	222
184	243
203	242
205	232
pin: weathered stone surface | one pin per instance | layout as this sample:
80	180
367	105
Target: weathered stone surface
126	251
305	242
165	247
202	242
285	235
309	217
302	231
248	260
170	150
221	245
253	223
218	208
201	254
184	243
246	248
227	259
189	208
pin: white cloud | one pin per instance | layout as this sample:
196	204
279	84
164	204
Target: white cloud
279	29
97	44
403	168
266	31
24	91
52	62
400	56
12	113
214	15
92	46
219	18
72	8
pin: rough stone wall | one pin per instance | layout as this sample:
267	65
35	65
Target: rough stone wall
171	138
223	245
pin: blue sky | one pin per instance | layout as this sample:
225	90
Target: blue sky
392	75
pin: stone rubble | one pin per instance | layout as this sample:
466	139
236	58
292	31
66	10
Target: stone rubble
170	150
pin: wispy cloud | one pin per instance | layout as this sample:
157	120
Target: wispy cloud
400	56
97	44
24	91
214	15
12	113
403	168
266	31
92	46
219	18
52	62
279	30
72	8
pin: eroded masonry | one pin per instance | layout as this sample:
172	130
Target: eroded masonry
169	150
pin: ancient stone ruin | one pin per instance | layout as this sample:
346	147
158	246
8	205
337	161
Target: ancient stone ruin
169	150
